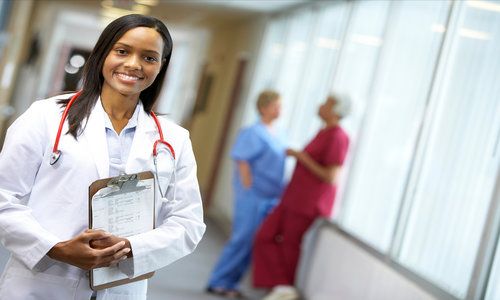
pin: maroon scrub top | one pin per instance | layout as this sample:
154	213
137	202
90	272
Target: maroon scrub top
306	193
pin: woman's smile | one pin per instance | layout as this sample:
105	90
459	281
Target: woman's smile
128	78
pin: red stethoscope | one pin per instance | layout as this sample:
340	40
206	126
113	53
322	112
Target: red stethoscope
56	153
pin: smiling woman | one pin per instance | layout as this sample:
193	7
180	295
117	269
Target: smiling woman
130	67
125	37
135	60
110	130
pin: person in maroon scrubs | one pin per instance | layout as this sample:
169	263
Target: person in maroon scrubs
309	195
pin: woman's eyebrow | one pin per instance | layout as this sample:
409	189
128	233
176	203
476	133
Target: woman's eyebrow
122	44
152	51
144	50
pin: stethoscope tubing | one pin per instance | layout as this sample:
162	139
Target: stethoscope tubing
56	153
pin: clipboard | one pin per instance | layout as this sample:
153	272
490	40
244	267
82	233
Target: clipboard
108	198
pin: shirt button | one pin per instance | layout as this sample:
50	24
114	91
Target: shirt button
278	238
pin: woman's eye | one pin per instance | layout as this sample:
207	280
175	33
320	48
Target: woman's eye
151	59
121	51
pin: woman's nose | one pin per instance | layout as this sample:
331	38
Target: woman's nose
133	62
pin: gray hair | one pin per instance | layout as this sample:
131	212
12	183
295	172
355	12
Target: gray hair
343	104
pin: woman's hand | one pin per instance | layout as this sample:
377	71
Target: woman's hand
292	152
245	174
78	251
110	240
324	173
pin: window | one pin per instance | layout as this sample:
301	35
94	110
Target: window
493	291
316	73
425	130
267	69
298	56
354	76
383	158
457	166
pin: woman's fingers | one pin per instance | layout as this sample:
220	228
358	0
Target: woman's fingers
111	250
113	259
119	256
105	242
91	234
101	243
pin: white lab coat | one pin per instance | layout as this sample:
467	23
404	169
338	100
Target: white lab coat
41	205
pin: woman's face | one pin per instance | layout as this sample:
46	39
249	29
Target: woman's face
325	111
272	110
133	62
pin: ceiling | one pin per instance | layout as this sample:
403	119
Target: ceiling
253	5
198	12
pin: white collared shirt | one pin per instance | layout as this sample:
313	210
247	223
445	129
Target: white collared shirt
119	144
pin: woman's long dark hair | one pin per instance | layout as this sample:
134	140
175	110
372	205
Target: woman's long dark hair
92	72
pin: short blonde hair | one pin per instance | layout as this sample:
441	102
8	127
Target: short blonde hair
266	98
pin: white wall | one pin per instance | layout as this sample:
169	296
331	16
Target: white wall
335	266
228	45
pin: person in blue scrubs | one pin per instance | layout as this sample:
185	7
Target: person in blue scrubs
259	154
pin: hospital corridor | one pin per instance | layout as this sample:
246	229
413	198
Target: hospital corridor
250	149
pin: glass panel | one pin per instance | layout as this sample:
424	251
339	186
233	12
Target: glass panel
267	69
298	56
316	73
355	72
384	155
452	192
294	59
493	292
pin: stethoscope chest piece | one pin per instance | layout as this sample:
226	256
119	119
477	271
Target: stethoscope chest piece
55	157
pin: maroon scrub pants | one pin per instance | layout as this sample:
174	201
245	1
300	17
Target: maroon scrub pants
277	247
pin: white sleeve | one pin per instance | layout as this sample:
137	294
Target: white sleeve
180	223
20	160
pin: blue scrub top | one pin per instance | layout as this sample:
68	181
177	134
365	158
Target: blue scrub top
265	153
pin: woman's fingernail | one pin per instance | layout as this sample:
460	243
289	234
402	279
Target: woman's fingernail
126	250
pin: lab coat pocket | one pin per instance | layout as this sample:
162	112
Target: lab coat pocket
23	284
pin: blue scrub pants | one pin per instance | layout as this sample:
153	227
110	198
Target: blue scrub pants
249	212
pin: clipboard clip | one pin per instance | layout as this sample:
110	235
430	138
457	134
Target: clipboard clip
124	182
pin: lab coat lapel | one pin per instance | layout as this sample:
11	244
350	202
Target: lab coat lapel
95	136
142	145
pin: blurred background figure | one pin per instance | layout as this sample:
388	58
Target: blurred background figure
259	156
308	196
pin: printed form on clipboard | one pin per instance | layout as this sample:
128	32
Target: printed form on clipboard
124	206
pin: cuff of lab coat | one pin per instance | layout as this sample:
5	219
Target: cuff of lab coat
127	267
136	265
44	264
37	258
